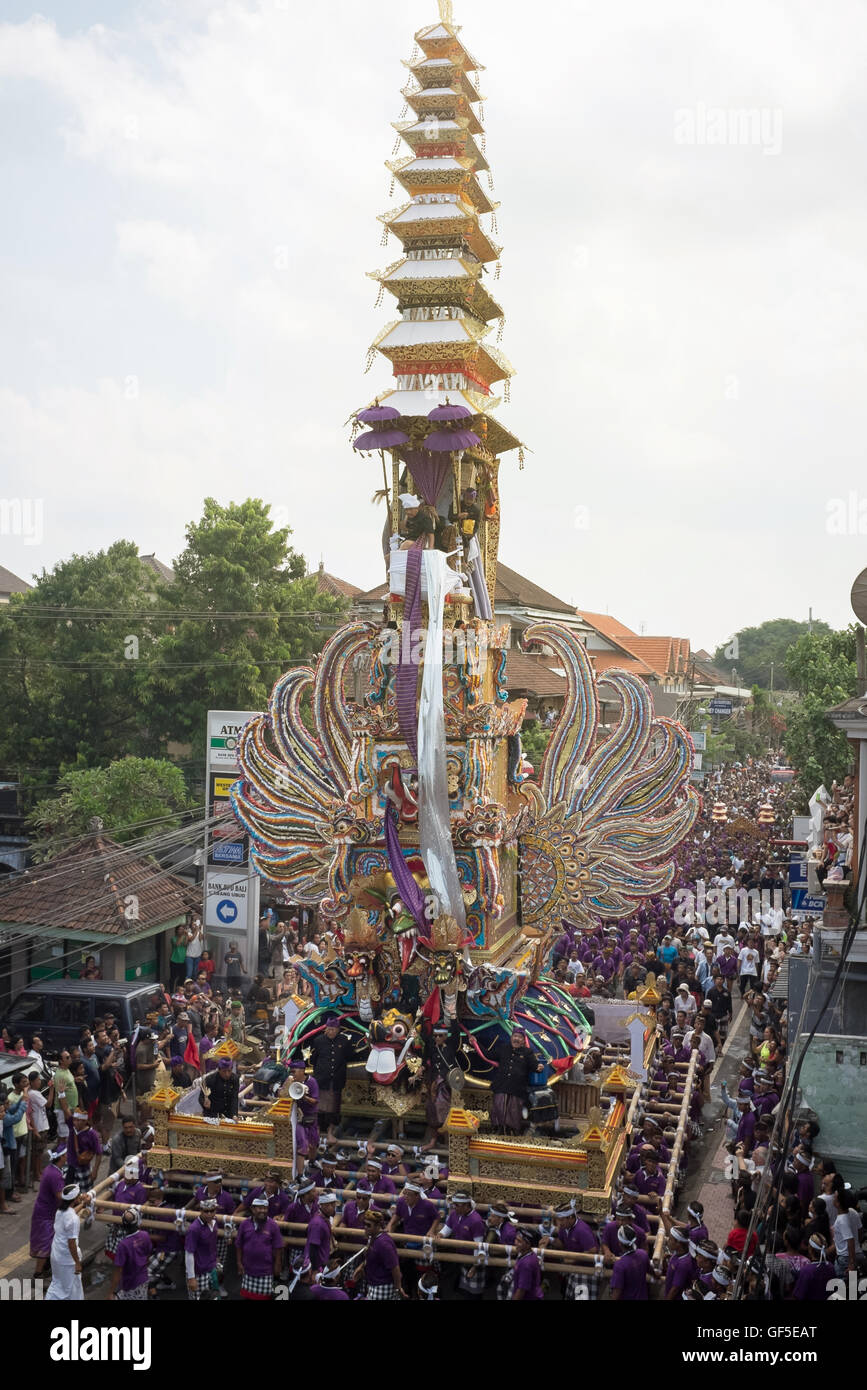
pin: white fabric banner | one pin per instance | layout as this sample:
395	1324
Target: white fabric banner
434	821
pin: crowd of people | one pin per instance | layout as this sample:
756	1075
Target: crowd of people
795	1220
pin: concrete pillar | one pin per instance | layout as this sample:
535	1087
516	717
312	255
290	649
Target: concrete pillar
112	962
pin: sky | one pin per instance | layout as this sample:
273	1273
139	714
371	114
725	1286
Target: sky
190	195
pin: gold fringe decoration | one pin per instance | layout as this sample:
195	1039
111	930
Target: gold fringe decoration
446	11
495	226
391	187
507	391
395	149
521	459
404	111
383	240
490	180
497	271
380	297
482	112
501	328
371	358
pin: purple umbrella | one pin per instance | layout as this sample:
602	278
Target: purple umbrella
376	414
449	412
450	441
380	439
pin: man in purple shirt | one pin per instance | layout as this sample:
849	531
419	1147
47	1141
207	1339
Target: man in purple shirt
811	1284
226	1205
45	1208
500	1228
308	1141
629	1199
354	1211
130	1276
318	1247
272	1191
301	1210
83	1145
462	1222
649	1180
629	1275
373	1180
200	1251
527	1273
802	1163
381	1266
613	1227
681	1269
573	1233
259	1252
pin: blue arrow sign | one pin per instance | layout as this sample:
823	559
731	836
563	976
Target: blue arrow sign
227	911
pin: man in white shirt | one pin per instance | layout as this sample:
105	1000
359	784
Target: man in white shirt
705	1044
721	940
748	968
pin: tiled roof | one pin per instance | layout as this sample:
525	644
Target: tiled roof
608	626
377	595
620	660
513	590
164	572
91	887
529	674
513	587
338	588
11	584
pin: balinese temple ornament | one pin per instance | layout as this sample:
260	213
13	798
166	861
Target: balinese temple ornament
404	815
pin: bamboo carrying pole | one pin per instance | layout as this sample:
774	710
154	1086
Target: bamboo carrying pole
677	1150
455	1251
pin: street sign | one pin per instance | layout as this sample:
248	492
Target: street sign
720	706
231	898
699	740
224	733
226	898
697	761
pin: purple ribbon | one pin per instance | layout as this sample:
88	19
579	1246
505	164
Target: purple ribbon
409	891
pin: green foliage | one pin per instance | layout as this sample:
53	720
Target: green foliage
234	562
66	689
534	741
821	668
125	795
81	692
758	647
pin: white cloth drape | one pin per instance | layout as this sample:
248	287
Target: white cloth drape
434	821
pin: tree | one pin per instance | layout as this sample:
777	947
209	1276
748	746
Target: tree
127	795
234	563
754	649
534	741
68	679
821	669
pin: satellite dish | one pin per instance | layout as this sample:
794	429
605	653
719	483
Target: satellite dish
859	597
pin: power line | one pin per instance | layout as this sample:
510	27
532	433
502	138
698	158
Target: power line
149	847
162	615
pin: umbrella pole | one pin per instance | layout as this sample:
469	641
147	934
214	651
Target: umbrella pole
385	480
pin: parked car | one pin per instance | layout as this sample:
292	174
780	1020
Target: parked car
59	1009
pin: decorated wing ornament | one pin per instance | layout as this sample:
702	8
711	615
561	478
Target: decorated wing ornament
610	805
296	787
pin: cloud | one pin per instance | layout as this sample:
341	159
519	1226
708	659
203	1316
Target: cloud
686	318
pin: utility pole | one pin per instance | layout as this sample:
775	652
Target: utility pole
772	678
810	621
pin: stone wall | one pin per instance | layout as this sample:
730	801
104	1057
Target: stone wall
834	1084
